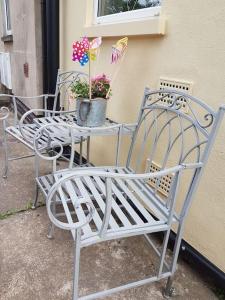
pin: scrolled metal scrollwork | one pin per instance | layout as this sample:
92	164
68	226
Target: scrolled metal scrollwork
47	145
173	102
4	113
209	118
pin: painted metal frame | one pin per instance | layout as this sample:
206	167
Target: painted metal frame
85	187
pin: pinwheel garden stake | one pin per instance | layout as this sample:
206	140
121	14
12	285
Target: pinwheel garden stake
118	54
80	51
119	49
85	52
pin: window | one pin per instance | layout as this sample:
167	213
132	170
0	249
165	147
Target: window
110	11
6	17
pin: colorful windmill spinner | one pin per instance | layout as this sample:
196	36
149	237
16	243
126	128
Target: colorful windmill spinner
118	49
83	50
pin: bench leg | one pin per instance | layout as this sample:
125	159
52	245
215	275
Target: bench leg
34	205
51	229
50	234
169	289
76	264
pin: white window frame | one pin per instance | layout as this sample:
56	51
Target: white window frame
125	16
6	16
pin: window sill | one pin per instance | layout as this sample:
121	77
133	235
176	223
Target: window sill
7	38
150	26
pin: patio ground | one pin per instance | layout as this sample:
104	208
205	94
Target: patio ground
33	267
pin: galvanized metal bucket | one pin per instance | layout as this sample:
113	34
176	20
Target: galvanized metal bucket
91	113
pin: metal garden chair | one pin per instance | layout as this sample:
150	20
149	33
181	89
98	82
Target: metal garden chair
96	204
25	133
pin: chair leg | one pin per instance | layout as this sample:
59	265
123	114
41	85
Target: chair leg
34	205
5	145
76	264
88	148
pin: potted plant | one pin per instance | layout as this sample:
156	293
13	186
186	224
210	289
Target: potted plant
92	95
91	111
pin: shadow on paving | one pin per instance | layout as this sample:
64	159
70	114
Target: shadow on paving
33	267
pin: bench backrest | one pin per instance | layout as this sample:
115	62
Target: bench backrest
65	79
173	128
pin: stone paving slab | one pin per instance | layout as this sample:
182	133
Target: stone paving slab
36	268
18	190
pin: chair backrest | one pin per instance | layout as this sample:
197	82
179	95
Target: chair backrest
65	80
62	93
173	128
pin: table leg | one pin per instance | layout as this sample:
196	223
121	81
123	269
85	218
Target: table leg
88	148
81	151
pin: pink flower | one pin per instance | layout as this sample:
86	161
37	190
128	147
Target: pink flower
101	77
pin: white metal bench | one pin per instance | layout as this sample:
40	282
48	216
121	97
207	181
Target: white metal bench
98	204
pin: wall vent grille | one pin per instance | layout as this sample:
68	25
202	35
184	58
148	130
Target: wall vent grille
165	182
176	85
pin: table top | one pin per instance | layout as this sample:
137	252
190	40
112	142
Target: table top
59	125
